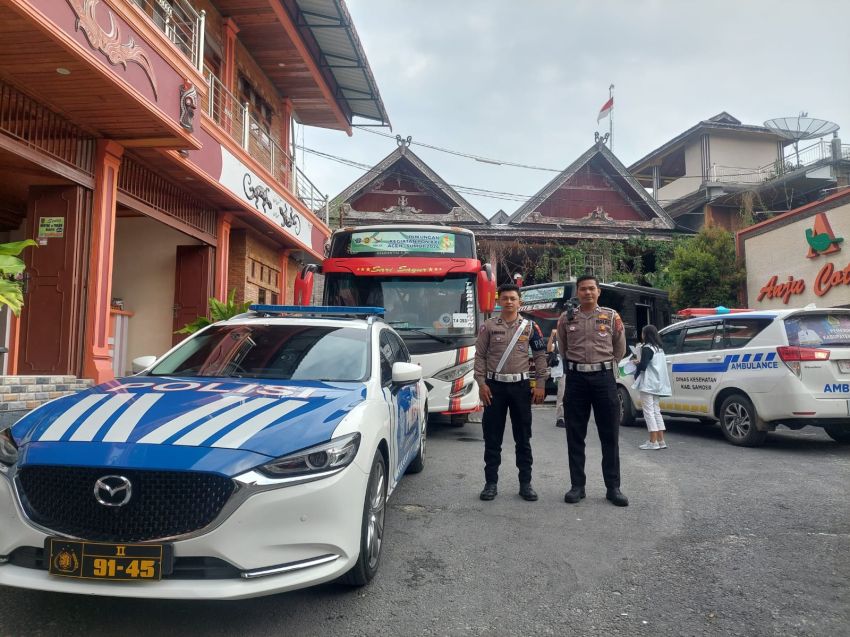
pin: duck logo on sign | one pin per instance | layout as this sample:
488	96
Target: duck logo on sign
821	239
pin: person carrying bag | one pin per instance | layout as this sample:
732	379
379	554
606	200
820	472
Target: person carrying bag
652	380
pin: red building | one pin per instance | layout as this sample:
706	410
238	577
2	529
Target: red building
146	147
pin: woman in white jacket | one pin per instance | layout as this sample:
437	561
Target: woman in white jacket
653	382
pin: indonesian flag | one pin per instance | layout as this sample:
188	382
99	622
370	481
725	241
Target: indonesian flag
605	111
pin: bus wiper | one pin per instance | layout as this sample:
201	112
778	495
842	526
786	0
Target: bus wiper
423	332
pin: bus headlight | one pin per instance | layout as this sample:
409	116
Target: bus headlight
453	373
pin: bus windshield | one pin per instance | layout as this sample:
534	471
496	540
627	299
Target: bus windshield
437	306
403	243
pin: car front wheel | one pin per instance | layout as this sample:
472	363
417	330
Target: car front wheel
372	526
738	422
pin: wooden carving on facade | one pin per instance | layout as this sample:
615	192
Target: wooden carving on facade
598	215
109	42
188	104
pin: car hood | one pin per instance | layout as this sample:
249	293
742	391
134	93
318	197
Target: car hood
223	425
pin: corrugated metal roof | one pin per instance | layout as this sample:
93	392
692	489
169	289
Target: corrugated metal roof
343	56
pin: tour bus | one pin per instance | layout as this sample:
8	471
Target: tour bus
433	289
637	305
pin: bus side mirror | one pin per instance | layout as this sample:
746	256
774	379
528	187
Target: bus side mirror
486	284
303	291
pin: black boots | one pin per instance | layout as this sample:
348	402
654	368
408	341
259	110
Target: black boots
489	491
616	497
526	492
574	495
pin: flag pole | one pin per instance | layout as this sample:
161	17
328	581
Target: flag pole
611	120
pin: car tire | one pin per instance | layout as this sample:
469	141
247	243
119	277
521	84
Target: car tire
738	422
627	409
418	463
458	420
372	526
838	433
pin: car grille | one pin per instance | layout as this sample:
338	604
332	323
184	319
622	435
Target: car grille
163	503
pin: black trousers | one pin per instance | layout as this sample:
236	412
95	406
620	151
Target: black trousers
515	397
583	391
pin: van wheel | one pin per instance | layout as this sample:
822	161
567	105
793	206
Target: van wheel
372	526
627	409
418	463
838	433
738	422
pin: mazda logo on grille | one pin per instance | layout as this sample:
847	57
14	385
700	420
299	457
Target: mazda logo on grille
113	491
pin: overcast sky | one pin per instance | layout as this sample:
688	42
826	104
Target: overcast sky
523	80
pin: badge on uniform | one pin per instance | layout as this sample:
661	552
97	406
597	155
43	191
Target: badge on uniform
522	339
572	328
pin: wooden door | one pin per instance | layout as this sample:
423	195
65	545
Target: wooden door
52	318
192	286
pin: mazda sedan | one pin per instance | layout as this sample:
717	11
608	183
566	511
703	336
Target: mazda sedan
255	457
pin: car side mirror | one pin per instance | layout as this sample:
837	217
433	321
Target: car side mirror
406	373
141	363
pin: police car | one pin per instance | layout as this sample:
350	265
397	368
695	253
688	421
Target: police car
253	458
752	371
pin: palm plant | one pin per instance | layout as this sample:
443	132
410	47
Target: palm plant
11	269
218	312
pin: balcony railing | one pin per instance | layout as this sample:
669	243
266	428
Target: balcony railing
236	120
181	24
818	153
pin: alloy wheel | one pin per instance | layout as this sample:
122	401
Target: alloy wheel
736	420
377	511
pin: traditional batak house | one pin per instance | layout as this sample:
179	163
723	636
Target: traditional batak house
146	147
401	188
814	266
595	197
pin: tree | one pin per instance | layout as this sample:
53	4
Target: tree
11	267
704	271
218	312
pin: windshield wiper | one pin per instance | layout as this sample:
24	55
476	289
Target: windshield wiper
424	333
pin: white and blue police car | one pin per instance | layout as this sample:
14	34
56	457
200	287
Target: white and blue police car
253	458
753	371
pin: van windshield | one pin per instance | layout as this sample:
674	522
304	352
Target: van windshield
826	329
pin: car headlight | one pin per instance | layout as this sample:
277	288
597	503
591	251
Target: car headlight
8	449
453	373
330	456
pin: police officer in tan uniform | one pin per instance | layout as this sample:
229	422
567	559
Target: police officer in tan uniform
501	370
592	341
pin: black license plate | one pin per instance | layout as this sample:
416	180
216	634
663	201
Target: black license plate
93	560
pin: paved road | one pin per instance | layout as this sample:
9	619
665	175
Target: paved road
718	540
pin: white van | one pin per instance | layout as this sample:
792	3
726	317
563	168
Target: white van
755	370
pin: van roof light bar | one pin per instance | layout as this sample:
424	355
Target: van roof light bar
330	311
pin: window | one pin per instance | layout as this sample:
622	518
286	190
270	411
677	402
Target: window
297	352
737	332
400	352
387	357
700	338
261	296
670	341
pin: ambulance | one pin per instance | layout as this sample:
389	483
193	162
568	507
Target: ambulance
753	371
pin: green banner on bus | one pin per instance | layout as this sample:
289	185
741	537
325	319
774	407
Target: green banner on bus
416	242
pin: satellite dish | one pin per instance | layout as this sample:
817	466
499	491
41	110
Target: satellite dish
799	128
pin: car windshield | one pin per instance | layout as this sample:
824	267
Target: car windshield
821	329
284	352
442	307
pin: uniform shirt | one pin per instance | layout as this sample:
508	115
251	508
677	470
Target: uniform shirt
495	335
592	337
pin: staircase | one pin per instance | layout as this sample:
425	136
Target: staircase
21	394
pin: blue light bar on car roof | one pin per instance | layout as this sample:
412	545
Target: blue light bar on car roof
319	310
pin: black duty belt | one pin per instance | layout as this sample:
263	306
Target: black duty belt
589	367
507	378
